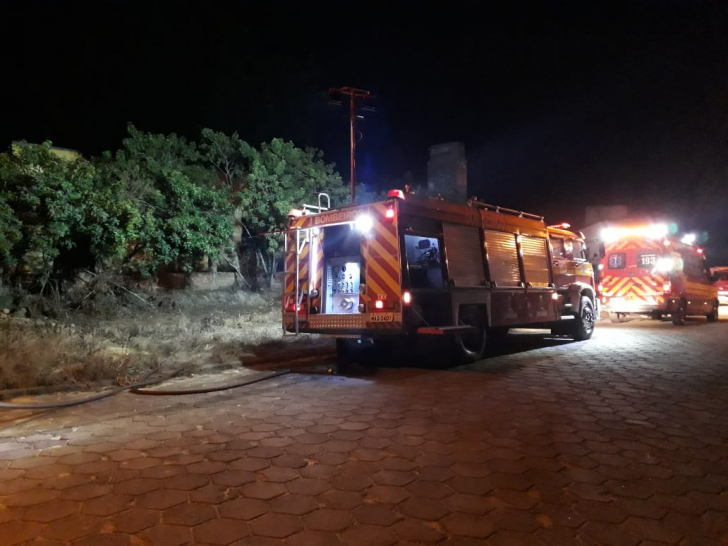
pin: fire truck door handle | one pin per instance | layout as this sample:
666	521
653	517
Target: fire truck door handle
556	264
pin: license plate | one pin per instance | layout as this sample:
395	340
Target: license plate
381	317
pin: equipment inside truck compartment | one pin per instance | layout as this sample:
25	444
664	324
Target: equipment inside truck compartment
423	259
343	271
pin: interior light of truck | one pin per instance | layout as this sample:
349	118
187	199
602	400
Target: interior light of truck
379	304
364	223
389	214
407	297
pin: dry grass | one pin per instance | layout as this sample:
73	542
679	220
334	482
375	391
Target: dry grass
120	343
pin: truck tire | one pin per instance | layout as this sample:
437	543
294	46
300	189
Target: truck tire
583	325
470	347
616	318
713	315
679	314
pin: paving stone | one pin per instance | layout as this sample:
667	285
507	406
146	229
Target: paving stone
341	500
276	525
137	486
368	535
280	474
161	499
233	478
72	528
608	533
30	498
327	519
308	486
15	532
429	490
427	509
135	520
293	504
243	508
514	538
469	525
263	490
186	482
50	511
250	464
313	538
418	532
221	531
651	529
376	514
167	535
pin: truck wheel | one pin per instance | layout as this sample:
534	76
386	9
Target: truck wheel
470	347
678	316
616	318
583	325
713	315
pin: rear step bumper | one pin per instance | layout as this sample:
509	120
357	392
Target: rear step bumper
444	330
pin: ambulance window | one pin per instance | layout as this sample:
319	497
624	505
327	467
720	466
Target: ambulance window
502	258
424	261
693	267
617	260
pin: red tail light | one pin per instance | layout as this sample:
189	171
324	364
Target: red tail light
600	288
389	214
666	288
407	297
379	304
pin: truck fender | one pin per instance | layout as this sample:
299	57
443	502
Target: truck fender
575	291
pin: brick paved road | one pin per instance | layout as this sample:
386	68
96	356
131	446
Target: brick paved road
620	440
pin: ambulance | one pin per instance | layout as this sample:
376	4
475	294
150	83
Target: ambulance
645	272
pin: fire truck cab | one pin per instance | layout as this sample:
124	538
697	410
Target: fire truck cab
573	273
646	273
409	267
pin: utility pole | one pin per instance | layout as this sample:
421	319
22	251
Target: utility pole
354	95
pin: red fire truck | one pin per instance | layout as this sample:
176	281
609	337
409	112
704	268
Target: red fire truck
644	272
409	267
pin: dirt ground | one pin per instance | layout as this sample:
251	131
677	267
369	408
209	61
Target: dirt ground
200	331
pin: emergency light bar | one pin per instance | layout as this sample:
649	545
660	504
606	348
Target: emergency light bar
652	231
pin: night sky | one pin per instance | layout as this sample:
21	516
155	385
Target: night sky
560	104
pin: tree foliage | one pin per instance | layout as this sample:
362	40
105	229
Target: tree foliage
159	200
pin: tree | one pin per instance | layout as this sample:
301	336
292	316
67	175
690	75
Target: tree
282	177
42	202
170	209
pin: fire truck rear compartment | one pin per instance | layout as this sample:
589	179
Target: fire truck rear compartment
343	270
